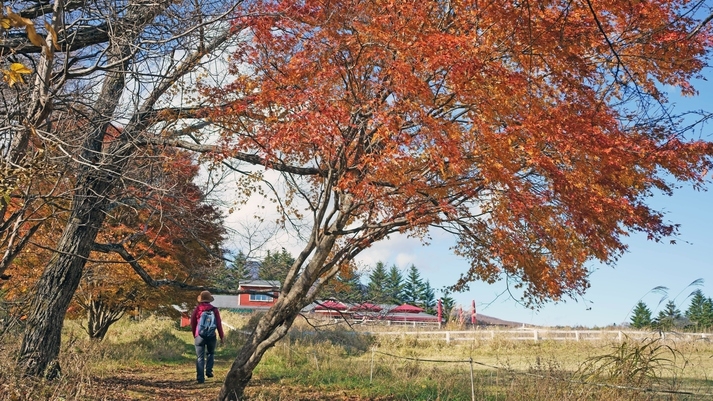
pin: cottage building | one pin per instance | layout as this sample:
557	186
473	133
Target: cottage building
262	294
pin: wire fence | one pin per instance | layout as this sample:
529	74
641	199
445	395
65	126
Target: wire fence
471	362
503	379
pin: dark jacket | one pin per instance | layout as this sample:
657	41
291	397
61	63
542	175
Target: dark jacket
196	315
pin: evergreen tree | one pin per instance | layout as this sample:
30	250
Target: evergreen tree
447	303
230	276
240	268
413	287
428	298
376	289
669	317
346	286
394	285
700	311
275	265
641	317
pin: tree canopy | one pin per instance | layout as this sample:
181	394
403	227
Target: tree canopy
534	133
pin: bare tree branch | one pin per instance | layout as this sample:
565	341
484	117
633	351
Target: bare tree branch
150	281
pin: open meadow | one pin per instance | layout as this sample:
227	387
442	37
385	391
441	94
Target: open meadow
154	360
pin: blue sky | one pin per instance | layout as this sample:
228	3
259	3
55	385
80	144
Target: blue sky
614	290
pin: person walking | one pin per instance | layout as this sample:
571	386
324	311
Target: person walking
205	321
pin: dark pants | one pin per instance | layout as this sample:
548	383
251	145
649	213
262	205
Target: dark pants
205	349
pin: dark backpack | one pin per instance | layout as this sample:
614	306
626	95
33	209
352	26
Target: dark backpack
206	324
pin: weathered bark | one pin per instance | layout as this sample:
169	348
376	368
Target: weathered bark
271	328
54	290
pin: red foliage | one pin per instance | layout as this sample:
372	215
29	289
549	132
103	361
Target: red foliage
527	129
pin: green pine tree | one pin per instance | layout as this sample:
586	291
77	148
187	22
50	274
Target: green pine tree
230	276
394	285
275	265
413	287
641	317
669	317
447	303
700	311
376	289
344	287
240	268
428	298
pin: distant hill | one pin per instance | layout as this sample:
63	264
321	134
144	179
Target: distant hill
494	321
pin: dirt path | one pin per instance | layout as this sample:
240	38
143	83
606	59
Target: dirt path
177	383
167	382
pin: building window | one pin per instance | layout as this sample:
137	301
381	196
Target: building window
260	298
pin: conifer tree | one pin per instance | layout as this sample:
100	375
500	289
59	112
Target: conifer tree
275	265
241	268
413	287
447	303
346	286
428	297
376	289
230	276
641	317
700	311
394	285
669	317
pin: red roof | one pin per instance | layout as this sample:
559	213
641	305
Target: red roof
406	308
331	305
367	307
410	317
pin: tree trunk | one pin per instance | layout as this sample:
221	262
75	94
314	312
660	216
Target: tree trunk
101	317
296	292
59	281
271	328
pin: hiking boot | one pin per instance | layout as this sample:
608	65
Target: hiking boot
209	374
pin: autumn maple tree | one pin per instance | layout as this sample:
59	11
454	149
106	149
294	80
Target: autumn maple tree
532	131
171	232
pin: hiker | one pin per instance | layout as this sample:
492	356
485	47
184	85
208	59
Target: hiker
205	320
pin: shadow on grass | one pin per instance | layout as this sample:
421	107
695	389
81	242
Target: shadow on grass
161	385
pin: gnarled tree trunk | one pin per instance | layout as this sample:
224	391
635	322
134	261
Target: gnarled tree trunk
271	328
54	290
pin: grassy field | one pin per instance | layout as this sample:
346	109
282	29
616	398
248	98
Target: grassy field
153	360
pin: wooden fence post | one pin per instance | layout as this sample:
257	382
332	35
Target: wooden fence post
472	381
371	374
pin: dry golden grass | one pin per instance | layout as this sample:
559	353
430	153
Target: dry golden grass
152	359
